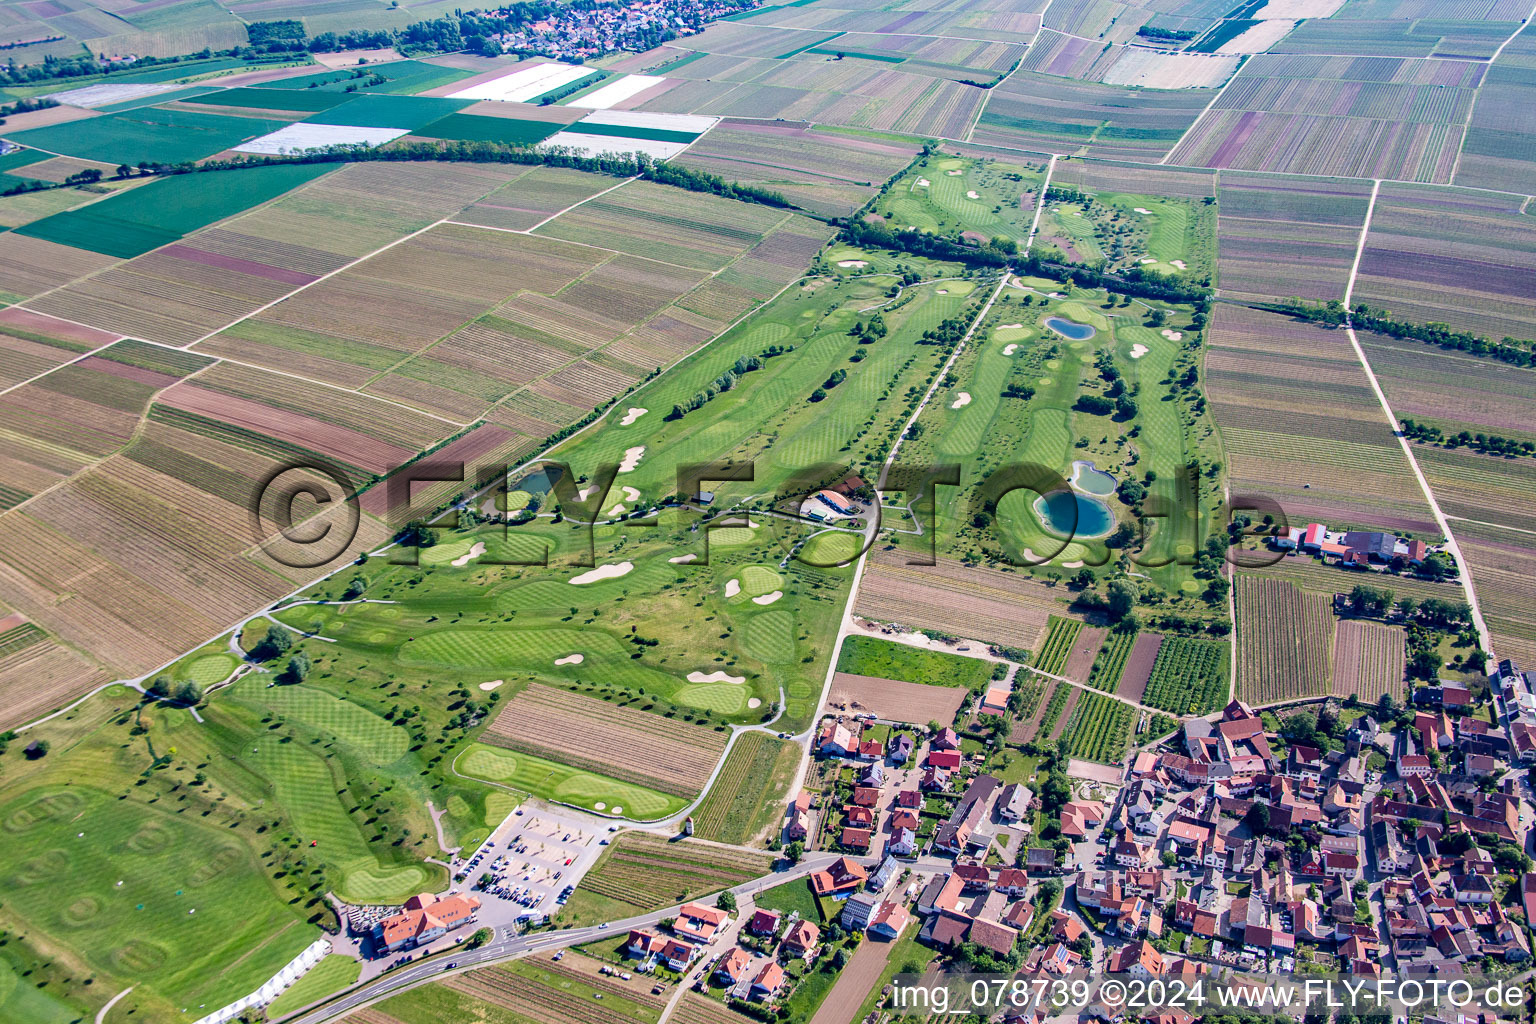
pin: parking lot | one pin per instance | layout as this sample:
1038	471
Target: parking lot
531	863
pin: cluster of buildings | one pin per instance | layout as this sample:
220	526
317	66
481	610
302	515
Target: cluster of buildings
424	918
1357	548
579	31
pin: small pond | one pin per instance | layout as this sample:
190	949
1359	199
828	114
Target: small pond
1070	328
1056	511
540	481
1089	478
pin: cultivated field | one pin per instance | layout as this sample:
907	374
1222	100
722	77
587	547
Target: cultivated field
873	656
1003	608
1058	644
896	700
1189	677
1335	462
750	794
1284	640
586	732
641	872
1099	727
1284	236
1368	660
1139	664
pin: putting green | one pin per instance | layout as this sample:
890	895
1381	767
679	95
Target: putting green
957	287
726	698
551	781
1013	334
733	536
212	668
827	549
757	580
513	501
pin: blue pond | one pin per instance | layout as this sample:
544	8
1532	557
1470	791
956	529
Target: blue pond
1070	328
1056	512
1087	477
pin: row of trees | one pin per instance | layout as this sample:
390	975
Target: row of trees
1333	313
1487	444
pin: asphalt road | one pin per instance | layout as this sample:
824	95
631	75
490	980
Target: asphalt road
502	948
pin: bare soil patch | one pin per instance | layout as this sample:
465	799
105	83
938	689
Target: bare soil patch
893	699
1138	667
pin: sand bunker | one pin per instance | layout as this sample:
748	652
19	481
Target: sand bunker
630	494
715	677
1138	350
923	183
632	415
603	572
1011	327
617	510
852	263
474	552
1142	210
1147	259
683	559
1072	565
753	702
492	684
1010	350
943	291
954	174
768	598
571	659
581	495
631	459
1173	335
732	588
599	805
961	402
1179	264
972	195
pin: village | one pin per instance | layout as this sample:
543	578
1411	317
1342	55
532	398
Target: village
1334	838
580	31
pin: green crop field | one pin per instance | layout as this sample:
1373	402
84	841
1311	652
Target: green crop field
1190	676
401	77
641	872
1058	644
1099	728
1110	664
374	110
872	656
473	128
160	212
147	135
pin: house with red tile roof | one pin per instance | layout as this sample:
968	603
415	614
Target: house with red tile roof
1138	958
647	945
801	938
855	839
859	817
426	917
843	875
698	923
764	922
768	982
949	760
889	919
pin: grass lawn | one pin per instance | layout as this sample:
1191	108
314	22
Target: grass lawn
332	974
947	195
872	656
147	134
791	897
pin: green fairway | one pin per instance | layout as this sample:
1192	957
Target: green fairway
949	195
551	781
332	974
147	135
160	212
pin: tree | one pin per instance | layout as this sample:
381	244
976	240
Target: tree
794	851
161	687
37	749
1424	663
1120	599
276	643
298	667
726	901
480	938
1158	318
1257	818
189	693
840	958
354	589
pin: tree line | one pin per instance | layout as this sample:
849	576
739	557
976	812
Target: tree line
1487	444
1333	313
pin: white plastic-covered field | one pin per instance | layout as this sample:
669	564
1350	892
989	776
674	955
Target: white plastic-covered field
101	95
698	124
602	145
616	92
1154	69
1258	38
305	136
1298	9
632	131
524	84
